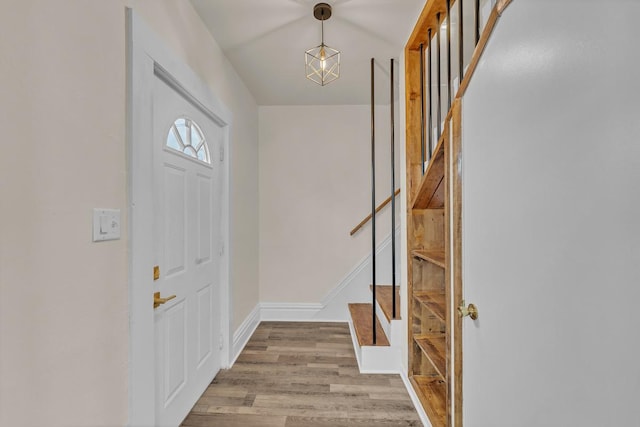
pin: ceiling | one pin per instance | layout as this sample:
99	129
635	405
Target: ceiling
265	40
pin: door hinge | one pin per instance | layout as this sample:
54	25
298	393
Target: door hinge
221	341
221	153
221	248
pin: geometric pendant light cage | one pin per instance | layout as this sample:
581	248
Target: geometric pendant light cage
322	63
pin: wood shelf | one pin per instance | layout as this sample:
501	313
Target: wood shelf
361	315
435	301
434	347
430	193
432	392
433	256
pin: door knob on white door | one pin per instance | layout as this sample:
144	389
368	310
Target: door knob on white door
470	311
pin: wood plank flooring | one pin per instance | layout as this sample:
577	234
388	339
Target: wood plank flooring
294	374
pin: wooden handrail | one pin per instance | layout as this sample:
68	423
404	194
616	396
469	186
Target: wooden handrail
368	217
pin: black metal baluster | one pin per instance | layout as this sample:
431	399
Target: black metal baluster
393	197
422	107
373	205
439	109
430	130
448	55
477	19
460	41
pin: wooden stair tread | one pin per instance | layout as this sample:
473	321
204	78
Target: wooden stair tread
434	347
436	256
361	317
434	300
431	190
384	297
432	392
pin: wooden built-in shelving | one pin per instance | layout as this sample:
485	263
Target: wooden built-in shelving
434	348
432	393
435	256
430	241
428	285
434	301
430	193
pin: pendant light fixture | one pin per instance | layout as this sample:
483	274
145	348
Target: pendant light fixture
322	62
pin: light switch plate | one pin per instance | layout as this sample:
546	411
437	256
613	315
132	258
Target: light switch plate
106	224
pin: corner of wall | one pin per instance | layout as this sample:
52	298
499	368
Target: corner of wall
242	335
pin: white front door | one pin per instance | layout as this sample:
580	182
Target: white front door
187	241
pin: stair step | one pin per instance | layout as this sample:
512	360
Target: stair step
361	317
383	296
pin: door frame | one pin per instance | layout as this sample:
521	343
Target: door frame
148	58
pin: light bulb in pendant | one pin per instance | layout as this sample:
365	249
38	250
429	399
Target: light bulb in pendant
323	58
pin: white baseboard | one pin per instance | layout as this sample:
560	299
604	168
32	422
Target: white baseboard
356	345
415	400
298	312
243	333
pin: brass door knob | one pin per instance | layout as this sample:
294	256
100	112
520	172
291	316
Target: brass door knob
157	301
470	311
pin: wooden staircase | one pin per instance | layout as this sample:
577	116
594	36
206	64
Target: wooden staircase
361	317
384	298
384	356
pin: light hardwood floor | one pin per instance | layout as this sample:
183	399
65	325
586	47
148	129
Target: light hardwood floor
301	374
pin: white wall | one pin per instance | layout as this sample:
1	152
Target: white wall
551	207
314	188
63	299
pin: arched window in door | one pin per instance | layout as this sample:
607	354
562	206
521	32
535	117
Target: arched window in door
186	137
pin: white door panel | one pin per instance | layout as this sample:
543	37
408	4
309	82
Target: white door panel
187	224
204	338
204	232
173	347
174	194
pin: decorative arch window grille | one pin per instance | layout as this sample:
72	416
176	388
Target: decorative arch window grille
186	137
